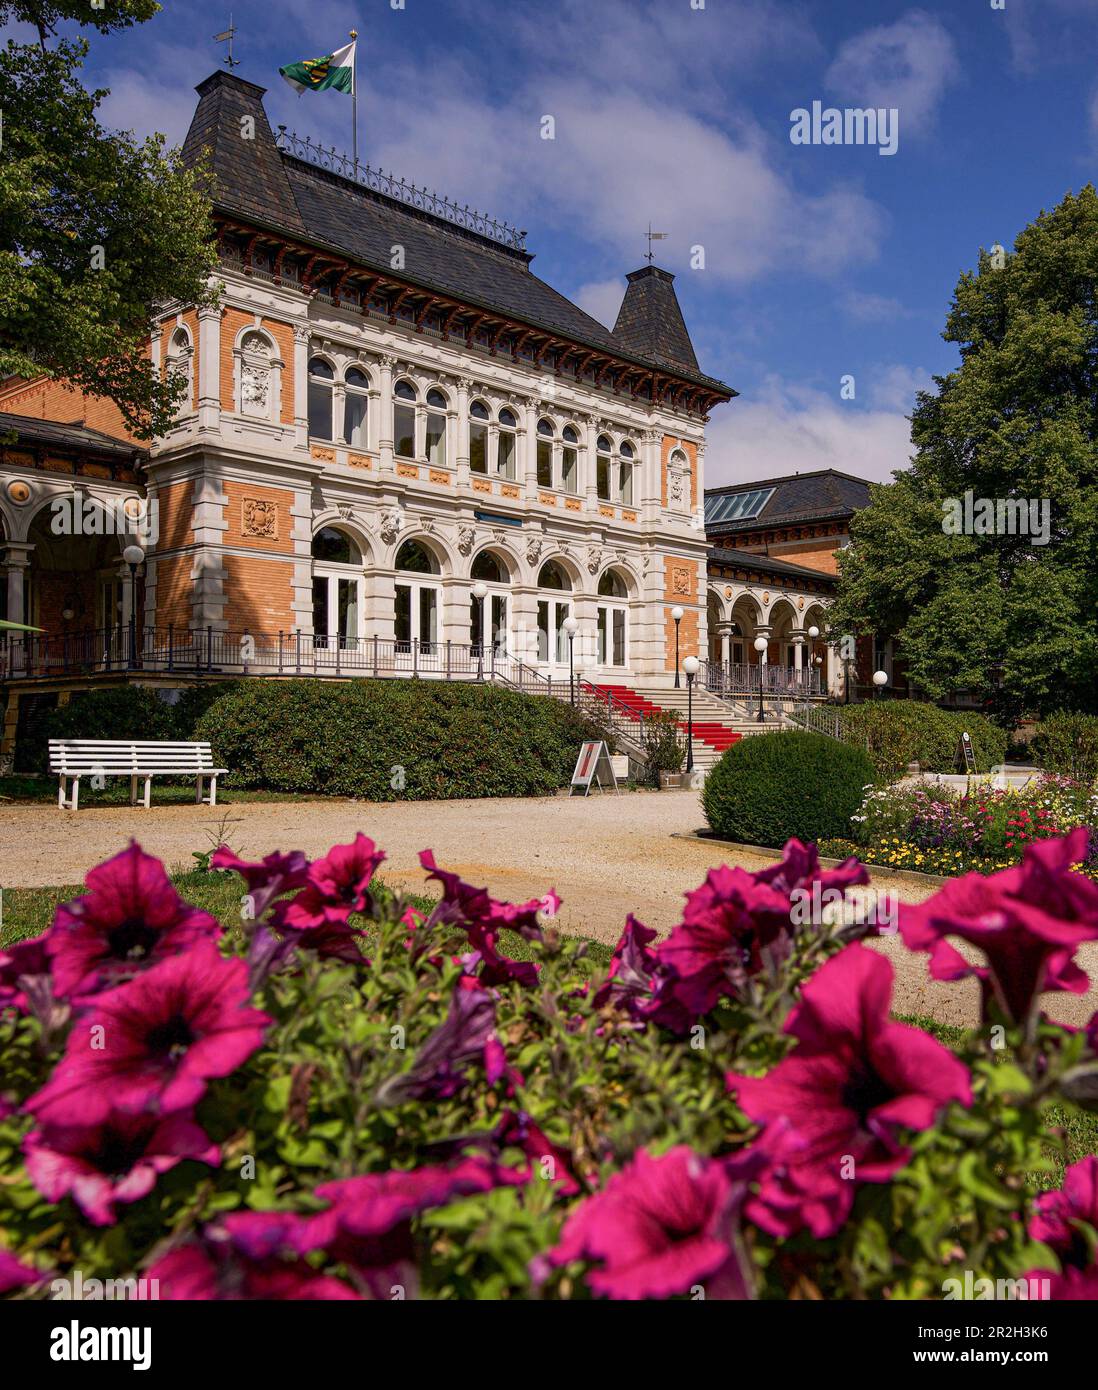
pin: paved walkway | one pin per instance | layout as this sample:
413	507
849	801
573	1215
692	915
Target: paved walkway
606	856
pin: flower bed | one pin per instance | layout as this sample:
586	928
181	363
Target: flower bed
347	1098
982	830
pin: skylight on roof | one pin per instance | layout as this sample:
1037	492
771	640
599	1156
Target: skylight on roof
726	507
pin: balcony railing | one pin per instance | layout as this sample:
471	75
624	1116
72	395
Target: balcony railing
205	651
741	678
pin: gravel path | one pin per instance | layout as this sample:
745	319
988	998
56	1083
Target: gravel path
606	856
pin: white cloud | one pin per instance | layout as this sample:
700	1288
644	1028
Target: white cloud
864	307
907	65
601	299
786	428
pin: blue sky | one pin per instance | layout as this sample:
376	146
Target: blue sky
820	261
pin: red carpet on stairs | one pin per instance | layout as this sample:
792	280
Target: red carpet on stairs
715	735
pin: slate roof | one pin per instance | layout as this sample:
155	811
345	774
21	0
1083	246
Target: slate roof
651	322
826	495
764	564
271	188
75	437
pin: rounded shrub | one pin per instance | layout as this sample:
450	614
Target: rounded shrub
1067	743
123	711
770	787
391	740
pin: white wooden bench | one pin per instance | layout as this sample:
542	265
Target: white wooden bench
73	758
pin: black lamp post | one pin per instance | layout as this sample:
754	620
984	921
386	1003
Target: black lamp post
676	613
813	633
133	556
690	666
570	626
760	646
480	592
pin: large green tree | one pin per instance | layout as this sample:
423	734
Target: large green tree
1018	419
96	226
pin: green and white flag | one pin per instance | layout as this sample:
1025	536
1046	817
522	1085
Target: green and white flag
336	71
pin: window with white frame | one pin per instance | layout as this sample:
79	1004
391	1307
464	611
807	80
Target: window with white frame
418	598
478	437
491	612
404	419
569	461
337	589
179	369
604	465
612	619
321	379
614	471
356	387
546	431
553	608
626	467
507	444
437	405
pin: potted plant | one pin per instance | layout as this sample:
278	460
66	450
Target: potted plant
662	749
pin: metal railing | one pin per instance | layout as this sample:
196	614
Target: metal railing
742	678
818	719
301	147
104	651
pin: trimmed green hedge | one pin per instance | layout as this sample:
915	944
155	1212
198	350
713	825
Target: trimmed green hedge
378	740
770	787
899	731
1067	743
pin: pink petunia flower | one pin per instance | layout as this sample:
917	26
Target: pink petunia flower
24	966
852	1084
1057	1215
14	1274
659	1228
335	887
466	1036
266	878
245	1256
484	918
117	1161
1073	1285
1028	921
129	919
367	1226
149	1046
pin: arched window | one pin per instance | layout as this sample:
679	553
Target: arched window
321	377
506	444
337	590
436	428
552	611
404	420
612	620
418	600
355	403
478	437
488	568
180	356
546	431
569	461
626	466
603	467
416	558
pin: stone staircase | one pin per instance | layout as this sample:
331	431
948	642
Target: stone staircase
716	726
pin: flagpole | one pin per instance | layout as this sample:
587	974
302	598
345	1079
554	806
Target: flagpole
354	101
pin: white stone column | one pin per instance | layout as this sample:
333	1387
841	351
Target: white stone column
209	369
461	443
18	560
528	446
386	362
591	503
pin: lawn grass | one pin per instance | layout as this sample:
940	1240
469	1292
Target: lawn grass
24	787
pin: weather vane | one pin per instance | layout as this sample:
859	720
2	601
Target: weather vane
227	34
653	236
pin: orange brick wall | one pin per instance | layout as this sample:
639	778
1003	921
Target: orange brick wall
670	444
50	399
176	516
690	626
258	594
174	588
234	535
232	321
814	555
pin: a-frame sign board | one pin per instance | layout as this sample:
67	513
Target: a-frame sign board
964	754
593	766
